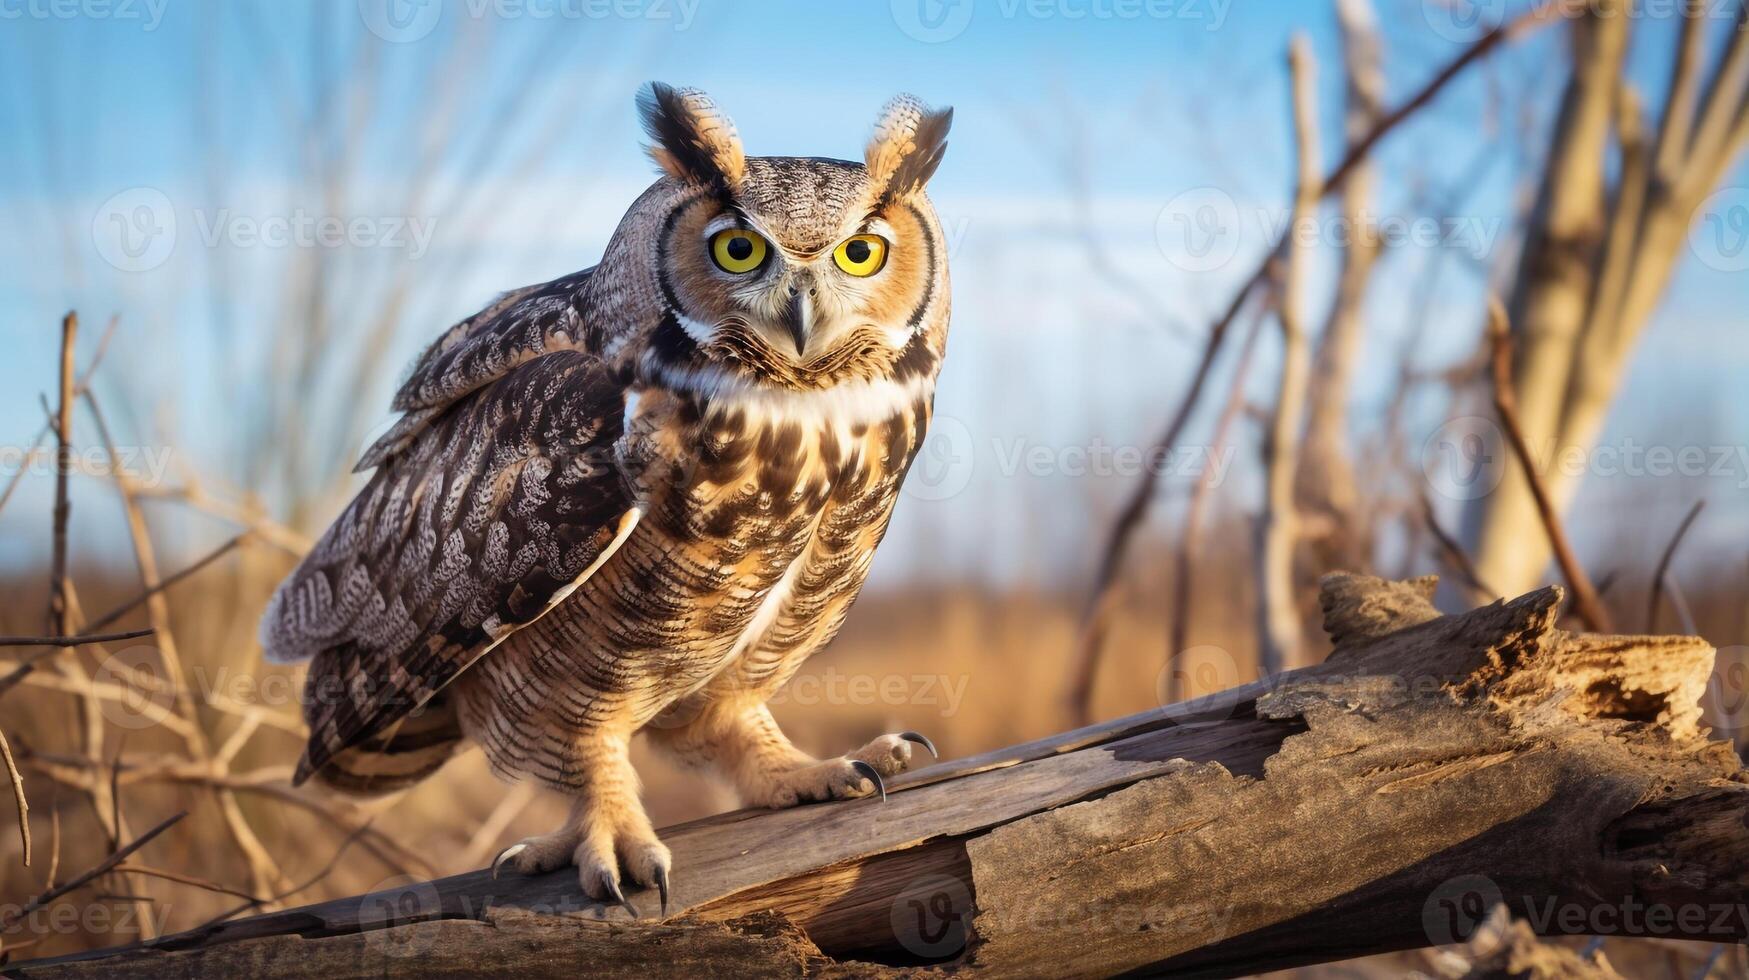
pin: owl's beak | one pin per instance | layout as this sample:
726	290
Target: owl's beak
797	318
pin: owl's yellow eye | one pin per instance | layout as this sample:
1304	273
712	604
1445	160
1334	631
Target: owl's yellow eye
737	250
861	255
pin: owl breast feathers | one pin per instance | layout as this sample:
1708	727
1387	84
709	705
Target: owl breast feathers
640	493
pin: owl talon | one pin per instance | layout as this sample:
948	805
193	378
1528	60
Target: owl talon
872	774
614	895
505	855
661	875
923	740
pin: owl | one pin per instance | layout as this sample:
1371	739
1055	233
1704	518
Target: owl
636	498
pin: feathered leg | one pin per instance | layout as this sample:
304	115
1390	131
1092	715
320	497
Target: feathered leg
744	743
606	831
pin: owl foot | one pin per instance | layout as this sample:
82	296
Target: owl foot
600	848
847	777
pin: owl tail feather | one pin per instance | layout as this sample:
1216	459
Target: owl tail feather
394	760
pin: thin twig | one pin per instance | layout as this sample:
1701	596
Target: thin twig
49	425
1454	552
139	600
1190	539
1585	602
78	640
55	645
254	903
1656	598
63	464
182	879
17	794
54	835
1679	602
270	782
99	870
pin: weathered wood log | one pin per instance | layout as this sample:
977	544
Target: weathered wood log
1432	768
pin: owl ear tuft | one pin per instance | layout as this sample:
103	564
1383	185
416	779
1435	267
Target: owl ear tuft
692	139
906	147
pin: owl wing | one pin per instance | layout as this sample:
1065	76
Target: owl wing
500	504
517	327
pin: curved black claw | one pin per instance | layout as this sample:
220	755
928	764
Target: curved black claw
505	855
617	897
923	740
662	887
871	773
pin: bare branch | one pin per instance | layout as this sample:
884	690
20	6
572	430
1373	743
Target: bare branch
79	640
1454	552
136	601
63	464
1280	632
1190	539
1655	600
99	870
183	879
17	794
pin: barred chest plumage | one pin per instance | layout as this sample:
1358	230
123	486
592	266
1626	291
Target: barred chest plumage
760	520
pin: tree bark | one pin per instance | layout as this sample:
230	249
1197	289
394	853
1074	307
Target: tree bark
1432	769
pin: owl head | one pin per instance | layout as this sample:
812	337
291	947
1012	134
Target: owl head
797	271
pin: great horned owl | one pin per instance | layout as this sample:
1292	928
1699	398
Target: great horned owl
636	498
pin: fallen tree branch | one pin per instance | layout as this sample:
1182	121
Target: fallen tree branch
1433	768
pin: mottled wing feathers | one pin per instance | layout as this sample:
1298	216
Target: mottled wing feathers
520	325
493	510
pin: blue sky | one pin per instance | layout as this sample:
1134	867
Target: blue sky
1075	120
